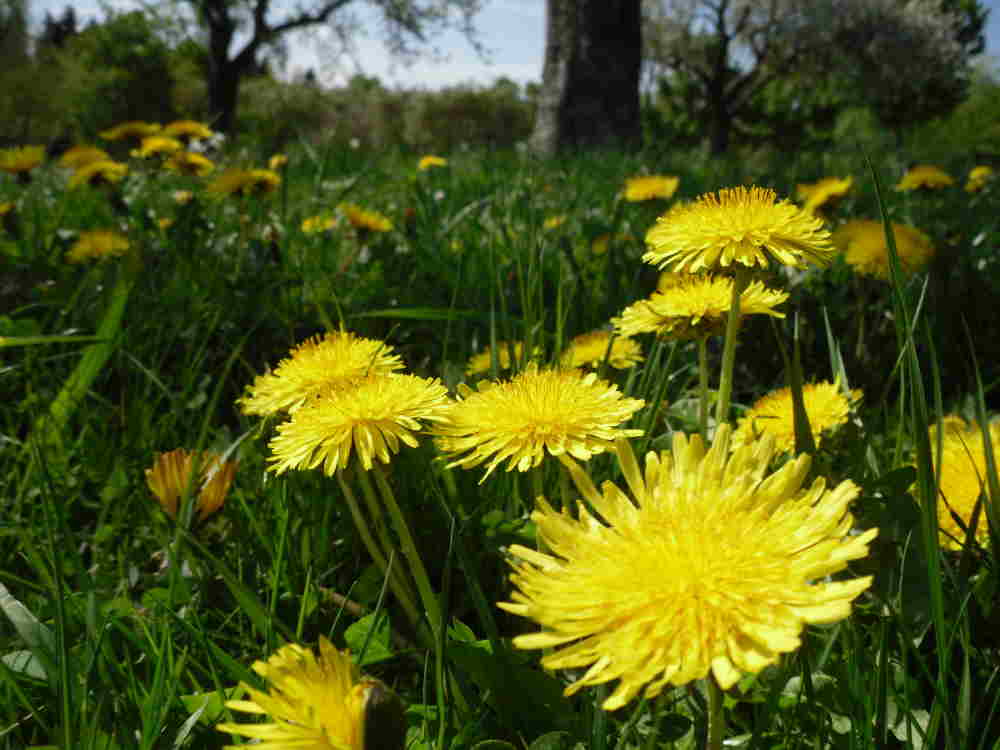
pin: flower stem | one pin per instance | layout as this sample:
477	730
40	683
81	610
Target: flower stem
703	387
740	282
716	718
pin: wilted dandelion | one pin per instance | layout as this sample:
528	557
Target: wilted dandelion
924	176
710	565
639	189
97	244
826	404
537	412
864	246
591	349
170	477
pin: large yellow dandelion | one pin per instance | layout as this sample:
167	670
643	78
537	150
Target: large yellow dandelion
170	476
591	350
863	244
316	703
712	565
317	365
827	407
371	417
695	307
537	412
744	226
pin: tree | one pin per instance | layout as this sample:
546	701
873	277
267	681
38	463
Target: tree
405	21
13	32
590	81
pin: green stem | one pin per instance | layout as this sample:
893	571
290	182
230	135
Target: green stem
703	387
716	719
740	282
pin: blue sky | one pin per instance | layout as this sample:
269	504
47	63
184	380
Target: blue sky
512	30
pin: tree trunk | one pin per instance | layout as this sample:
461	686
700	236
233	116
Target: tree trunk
590	82
223	91
720	126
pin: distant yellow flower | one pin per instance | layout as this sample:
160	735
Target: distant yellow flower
427	162
320	223
979	177
164	223
924	176
182	197
132	129
189	163
963	478
21	160
313	703
318	365
157	145
277	161
817	195
738	225
554	222
827	407
244	181
695	307
97	244
188	130
170	477
104	172
371	416
81	155
638	189
537	412
590	349
709	564
366	221
864	247
483	361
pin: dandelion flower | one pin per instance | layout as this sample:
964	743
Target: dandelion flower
132	129
483	361
97	244
21	160
553	222
737	225
711	566
102	172
695	307
590	350
979	177
277	161
371	416
370	221
189	163
316	224
170	477
863	244
962	479
638	189
817	195
428	162
243	181
538	411
81	155
924	176
188	130
316	703
318	364
158	145
827	407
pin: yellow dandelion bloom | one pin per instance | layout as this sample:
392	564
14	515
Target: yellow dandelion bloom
979	177
182	197
170	476
158	145
189	130
827	407
428	162
817	195
189	163
320	223
20	160
372	416
81	155
97	244
694	307
712	565
590	350
863	244
244	181
132	129
638	189
319	364
553	222
748	226
316	703
370	221
962	477
103	172
538	411
483	361
924	176
277	161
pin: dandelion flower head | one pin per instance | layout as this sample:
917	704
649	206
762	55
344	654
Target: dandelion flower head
98	244
158	145
277	161
483	361
817	195
979	177
745	226
80	155
318	364
537	412
371	417
22	159
319	223
430	161
100	172
244	181
591	349
132	129
365	221
189	130
863	244
924	176
170	476
708	564
827	407
189	163
639	189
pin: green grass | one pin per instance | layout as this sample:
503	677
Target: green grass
121	628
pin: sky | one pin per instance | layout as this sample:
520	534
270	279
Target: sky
512	31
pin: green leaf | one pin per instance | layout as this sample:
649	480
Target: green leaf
38	638
24	662
368	639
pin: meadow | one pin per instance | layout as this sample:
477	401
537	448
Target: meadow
259	409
